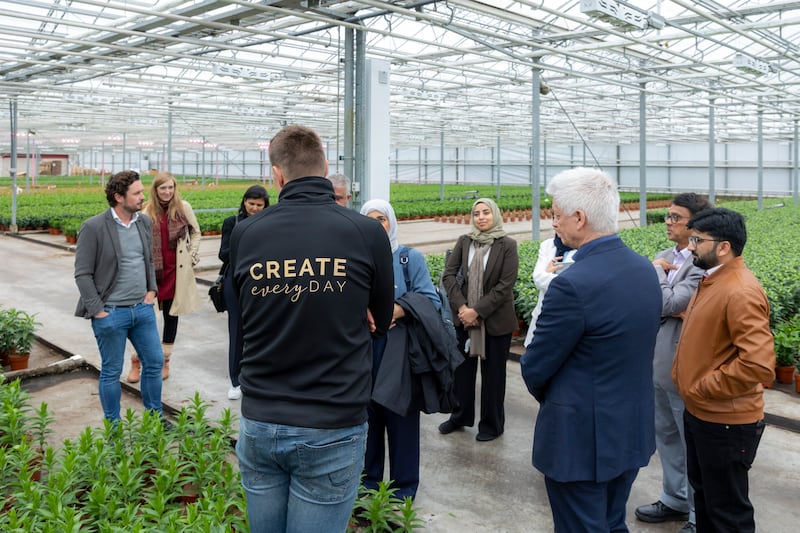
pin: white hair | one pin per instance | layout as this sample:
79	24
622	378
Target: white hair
340	180
591	191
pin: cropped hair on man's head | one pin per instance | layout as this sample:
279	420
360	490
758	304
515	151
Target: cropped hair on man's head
119	184
691	201
298	152
589	190
723	225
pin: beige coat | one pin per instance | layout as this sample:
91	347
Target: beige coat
186	298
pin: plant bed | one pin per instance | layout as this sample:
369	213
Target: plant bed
87	475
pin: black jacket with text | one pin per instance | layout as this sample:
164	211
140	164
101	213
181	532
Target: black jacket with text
305	271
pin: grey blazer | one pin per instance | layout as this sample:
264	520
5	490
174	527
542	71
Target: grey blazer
97	257
675	298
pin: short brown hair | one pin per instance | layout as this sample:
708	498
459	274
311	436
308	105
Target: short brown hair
298	152
119	183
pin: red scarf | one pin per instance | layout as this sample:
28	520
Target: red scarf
176	230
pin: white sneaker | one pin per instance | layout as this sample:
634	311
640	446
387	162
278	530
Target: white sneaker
234	393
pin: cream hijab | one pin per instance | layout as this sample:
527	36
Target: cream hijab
495	232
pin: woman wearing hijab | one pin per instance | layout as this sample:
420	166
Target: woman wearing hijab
176	242
402	431
479	278
255	199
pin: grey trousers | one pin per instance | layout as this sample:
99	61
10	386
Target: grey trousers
671	446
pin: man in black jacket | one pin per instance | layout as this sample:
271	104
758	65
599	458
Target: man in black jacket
313	279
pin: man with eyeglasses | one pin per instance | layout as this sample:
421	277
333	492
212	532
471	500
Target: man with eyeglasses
678	278
117	283
724	354
341	189
590	362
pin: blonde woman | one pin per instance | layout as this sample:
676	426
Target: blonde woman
176	241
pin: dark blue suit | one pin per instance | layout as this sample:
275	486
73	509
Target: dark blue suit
590	366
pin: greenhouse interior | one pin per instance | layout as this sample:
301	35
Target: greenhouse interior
441	107
669	93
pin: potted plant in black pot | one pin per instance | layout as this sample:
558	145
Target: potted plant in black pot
17	335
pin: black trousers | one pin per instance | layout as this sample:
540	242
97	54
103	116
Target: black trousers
170	322
402	435
235	333
718	457
493	385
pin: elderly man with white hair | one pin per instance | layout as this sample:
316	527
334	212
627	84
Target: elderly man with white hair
590	364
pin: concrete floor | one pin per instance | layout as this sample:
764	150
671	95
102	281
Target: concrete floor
465	485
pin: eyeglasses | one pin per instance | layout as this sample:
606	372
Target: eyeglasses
673	217
695	240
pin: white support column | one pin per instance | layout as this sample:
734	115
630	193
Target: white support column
377	124
712	162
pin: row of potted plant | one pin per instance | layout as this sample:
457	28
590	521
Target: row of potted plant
61	207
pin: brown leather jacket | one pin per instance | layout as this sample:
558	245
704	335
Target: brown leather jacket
726	348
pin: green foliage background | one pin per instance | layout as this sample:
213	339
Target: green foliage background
772	253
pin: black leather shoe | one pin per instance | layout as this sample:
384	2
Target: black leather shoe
658	512
688	528
448	426
485	437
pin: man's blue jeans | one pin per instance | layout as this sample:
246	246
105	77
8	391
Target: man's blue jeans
298	479
137	323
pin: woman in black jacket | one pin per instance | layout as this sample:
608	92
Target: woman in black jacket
479	278
254	200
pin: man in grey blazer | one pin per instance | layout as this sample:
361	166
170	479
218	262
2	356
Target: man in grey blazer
678	278
116	279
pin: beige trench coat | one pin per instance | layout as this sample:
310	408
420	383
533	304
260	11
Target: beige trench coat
186	298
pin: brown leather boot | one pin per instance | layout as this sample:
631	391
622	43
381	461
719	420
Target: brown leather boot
167	349
136	369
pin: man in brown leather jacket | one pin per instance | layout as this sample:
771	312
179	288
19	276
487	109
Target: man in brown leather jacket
724	354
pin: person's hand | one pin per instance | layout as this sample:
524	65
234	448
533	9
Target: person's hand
101	314
468	316
664	265
195	259
554	266
371	321
150	297
397	314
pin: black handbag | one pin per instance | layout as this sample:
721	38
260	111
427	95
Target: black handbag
215	293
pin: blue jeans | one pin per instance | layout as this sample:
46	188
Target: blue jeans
298	479
137	323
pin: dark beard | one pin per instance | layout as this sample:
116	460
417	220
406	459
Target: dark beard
701	263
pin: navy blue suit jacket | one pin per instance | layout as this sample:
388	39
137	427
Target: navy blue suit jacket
590	365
